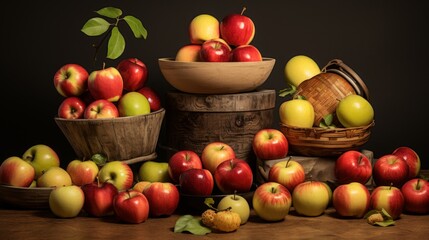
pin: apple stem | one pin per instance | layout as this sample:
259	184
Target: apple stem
418	185
242	11
287	162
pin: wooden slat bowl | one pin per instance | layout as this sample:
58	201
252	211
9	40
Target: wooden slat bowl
25	197
216	77
131	139
324	142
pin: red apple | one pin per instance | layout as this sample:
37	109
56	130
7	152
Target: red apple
71	80
14	171
214	153
82	172
133	72
288	173
246	53
189	53
215	50
131	206
117	172
152	97
352	166
99	198
237	29
106	83
101	108
182	161
269	144
411	158
163	198
233	175
271	201
196	181
389	170
351	200
416	196
388	197
71	108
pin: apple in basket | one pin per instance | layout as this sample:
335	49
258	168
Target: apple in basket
41	157
246	53
133	104
133	72
152	97
106	83
101	108
14	171
54	177
215	50
71	108
300	68
131	206
203	27
237	29
196	181
189	53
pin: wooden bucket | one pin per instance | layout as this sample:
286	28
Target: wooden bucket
193	121
130	139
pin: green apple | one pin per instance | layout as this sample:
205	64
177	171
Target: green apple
237	204
203	27
133	104
297	112
310	198
54	177
300	68
66	201
153	171
354	111
41	157
118	173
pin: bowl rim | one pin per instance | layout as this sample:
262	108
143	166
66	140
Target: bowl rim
108	119
26	188
172	60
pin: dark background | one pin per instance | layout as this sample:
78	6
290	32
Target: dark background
385	42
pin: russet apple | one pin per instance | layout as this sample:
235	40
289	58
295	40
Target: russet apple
99	198
71	80
71	108
188	53
271	201
106	83
182	161
41	157
152	97
237	29
202	28
310	198
101	108
66	201
82	172
118	173
133	104
131	206
14	171
54	177
134	73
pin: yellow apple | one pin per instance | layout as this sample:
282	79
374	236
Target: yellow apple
354	111
203	27
188	53
66	201
54	177
237	204
297	113
153	171
300	68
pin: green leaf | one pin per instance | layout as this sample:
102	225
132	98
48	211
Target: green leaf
189	223
116	44
136	26
385	223
99	159
290	90
385	214
95	27
110	12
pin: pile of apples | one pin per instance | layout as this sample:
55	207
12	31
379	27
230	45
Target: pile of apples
228	40
351	111
106	93
392	183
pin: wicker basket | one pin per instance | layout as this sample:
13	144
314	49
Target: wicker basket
130	139
25	197
325	142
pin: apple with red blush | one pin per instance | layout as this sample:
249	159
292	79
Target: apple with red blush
152	97
411	158
196	181
246	53
389	198
214	153
134	73
106	83
389	170
99	198
71	80
163	198
269	144
101	108
131	206
215	50
71	108
182	161
233	175
189	53
352	166
237	29
416	196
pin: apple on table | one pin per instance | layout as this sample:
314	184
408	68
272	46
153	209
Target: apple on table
41	157
390	169
134	73
351	200
118	173
389	198
99	198
66	201
271	201
310	198
237	204
14	171
416	196
131	206
101	108
163	198
71	80
71	108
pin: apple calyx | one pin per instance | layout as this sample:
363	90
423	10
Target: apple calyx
381	218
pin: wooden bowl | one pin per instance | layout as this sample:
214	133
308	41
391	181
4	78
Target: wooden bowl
131	139
25	197
216	77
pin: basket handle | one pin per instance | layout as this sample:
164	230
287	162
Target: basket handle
341	66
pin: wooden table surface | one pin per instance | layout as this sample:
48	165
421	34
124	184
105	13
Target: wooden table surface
42	224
